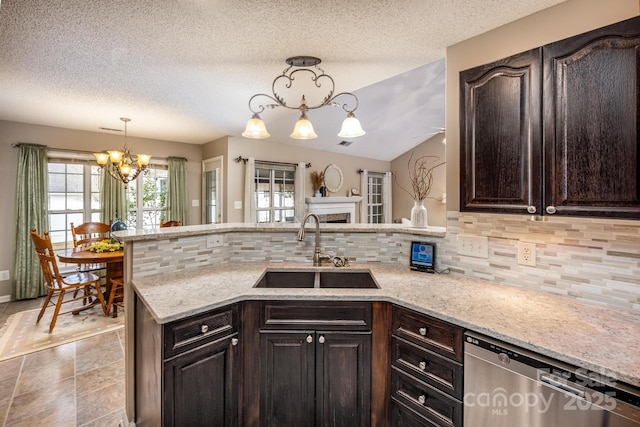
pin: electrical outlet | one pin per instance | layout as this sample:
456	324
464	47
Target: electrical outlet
4	275
215	241
527	254
476	246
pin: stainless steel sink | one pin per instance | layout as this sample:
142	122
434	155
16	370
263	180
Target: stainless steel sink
297	278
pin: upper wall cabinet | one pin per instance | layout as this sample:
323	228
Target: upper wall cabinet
555	130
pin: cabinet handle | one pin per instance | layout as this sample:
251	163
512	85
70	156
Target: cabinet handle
309	339
531	209
422	365
321	339
551	210
204	328
234	341
423	331
422	399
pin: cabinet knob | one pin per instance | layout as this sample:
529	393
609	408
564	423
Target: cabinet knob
422	399
422	365
531	209
423	331
309	339
551	210
234	341
204	328
321	339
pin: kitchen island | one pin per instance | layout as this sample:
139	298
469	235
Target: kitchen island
181	273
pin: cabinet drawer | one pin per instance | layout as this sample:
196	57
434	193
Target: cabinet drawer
436	335
319	315
403	416
183	335
438	407
427	366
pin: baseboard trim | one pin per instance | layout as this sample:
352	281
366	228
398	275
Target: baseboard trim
5	298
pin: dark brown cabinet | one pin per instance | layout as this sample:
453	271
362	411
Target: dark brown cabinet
555	130
187	371
317	371
426	371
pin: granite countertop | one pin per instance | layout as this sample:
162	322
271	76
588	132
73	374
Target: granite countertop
601	339
133	235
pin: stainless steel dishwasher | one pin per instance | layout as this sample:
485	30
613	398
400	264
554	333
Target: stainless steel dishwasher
506	386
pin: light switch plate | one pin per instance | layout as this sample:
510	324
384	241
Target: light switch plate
237	204
475	246
4	275
195	203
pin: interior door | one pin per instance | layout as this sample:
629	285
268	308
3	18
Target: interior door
212	190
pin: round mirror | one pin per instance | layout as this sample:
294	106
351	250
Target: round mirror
333	178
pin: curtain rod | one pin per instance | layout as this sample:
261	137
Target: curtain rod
69	150
361	171
244	160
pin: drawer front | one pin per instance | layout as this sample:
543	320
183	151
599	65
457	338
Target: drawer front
427	366
431	403
325	315
403	416
189	333
436	335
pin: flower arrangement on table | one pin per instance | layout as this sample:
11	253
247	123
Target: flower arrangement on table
106	245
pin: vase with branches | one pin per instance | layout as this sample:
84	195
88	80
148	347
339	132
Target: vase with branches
420	172
317	181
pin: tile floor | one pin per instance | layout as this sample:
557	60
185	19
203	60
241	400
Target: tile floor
76	384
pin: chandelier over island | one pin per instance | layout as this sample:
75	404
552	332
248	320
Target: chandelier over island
303	128
124	165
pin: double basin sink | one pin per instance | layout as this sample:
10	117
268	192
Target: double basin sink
300	278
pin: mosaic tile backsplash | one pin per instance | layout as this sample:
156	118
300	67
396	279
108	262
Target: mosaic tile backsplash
595	260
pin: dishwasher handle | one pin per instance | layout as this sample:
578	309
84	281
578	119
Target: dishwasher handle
562	386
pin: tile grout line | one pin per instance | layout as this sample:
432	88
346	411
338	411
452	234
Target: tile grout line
13	394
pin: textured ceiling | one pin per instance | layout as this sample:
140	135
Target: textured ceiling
184	70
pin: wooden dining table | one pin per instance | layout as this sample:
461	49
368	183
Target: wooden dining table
113	261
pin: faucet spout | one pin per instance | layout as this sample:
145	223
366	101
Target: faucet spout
316	252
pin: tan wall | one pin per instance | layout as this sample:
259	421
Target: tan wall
403	202
553	24
12	133
273	151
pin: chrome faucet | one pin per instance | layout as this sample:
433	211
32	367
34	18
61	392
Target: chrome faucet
317	256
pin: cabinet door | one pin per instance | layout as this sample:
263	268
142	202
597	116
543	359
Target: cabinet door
287	388
201	386
592	123
343	390
500	135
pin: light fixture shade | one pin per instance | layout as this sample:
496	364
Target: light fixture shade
116	156
143	159
351	127
256	128
125	168
303	129
101	158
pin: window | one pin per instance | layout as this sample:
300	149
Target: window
148	191
275	192
74	196
375	205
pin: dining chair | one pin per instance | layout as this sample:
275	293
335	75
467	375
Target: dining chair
116	296
84	235
170	224
57	285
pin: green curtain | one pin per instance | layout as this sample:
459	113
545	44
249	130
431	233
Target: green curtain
31	212
113	196
177	192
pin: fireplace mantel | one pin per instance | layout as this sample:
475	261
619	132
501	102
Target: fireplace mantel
333	205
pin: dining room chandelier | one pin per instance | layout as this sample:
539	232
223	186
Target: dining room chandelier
124	165
303	128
